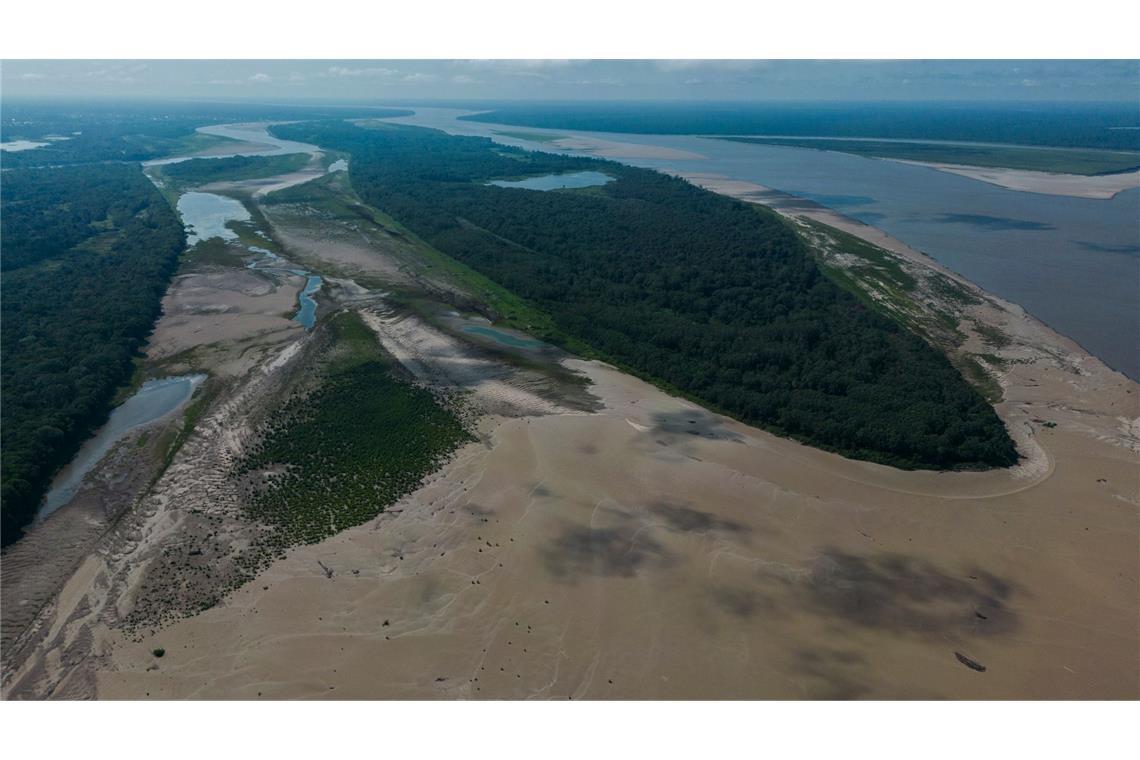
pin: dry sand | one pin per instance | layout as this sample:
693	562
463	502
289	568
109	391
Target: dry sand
658	551
1100	186
222	311
596	146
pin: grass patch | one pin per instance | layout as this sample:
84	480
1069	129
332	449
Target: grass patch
537	137
337	455
1062	160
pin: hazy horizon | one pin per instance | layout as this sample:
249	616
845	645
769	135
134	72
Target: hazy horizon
1060	81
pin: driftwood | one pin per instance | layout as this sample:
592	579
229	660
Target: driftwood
326	568
971	664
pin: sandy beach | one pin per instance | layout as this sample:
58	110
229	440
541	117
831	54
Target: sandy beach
1098	186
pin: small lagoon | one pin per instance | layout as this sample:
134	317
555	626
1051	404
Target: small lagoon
205	216
568	181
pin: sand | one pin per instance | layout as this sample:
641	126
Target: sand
655	550
578	556
596	146
221	311
1100	186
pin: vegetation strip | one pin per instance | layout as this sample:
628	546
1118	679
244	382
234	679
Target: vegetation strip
88	252
696	291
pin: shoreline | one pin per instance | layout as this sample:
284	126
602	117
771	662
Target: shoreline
1094	186
700	558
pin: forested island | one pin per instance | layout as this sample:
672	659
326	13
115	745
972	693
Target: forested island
88	251
703	294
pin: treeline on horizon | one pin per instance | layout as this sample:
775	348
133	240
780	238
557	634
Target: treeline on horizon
1108	126
138	131
703	293
87	255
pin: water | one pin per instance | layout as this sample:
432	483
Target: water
15	146
1074	263
307	305
205	216
264	144
154	400
307	315
503	337
557	181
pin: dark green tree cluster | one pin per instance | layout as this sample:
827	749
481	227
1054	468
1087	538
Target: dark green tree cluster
335	457
706	294
200	171
87	255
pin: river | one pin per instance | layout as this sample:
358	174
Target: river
1074	263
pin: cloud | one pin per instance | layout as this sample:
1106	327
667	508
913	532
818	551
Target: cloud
367	71
421	77
464	79
688	64
32	75
260	77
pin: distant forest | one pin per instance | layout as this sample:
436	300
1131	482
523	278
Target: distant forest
1081	125
702	293
138	131
87	254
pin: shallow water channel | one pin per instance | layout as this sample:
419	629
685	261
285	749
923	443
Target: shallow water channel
154	400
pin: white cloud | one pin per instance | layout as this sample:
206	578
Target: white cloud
368	71
421	77
260	77
688	64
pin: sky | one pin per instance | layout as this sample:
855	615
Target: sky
405	80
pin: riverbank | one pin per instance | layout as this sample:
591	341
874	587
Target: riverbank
647	548
706	559
1097	186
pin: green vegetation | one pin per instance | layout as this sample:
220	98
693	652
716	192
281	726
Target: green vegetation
202	171
539	137
690	289
336	455
1067	161
88	252
138	131
159	652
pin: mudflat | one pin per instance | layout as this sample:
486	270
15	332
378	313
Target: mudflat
655	550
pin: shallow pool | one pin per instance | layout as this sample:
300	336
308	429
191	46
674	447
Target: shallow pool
567	181
503	337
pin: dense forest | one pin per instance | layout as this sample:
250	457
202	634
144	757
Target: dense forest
201	171
708	295
1077	125
87	254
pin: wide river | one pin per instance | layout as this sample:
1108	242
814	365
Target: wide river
1074	263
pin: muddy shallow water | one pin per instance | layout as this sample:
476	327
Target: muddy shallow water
150	403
